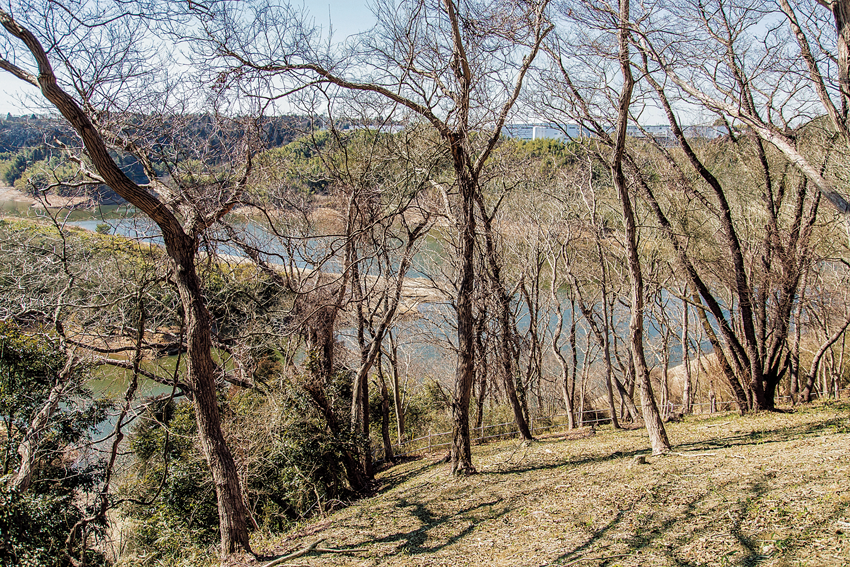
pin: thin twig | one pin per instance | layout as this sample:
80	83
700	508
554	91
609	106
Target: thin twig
294	554
598	557
335	550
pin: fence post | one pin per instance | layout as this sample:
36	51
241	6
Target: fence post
429	439
531	419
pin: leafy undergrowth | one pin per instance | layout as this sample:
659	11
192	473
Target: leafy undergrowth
767	489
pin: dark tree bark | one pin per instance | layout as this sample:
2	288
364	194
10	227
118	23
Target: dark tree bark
461	452
397	397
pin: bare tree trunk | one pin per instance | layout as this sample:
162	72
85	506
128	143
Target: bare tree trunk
841	13
385	414
571	384
806	395
609	370
200	369
627	399
698	352
482	371
371	351
368	354
605	334
28	447
514	389
839	369
582	384
556	338
399	406
461	453
728	372
565	392
666	403
482	394
686	358
651	418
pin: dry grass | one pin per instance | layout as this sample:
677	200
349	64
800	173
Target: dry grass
769	489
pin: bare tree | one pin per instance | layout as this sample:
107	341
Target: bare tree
764	85
687	395
755	356
427	61
651	417
598	29
98	47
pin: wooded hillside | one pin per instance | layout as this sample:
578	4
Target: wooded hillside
332	253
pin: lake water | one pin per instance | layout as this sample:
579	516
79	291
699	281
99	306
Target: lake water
123	221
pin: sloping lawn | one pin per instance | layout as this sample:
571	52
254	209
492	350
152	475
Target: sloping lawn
769	489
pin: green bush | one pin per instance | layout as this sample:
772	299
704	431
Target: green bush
175	498
15	169
34	526
35	523
290	464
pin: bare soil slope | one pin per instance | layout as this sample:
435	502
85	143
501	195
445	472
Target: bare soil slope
768	489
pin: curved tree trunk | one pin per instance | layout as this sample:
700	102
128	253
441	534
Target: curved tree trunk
566	391
806	395
200	370
181	248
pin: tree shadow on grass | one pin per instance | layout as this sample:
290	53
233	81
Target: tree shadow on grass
413	542
656	532
512	470
759	437
653	527
775	435
393	478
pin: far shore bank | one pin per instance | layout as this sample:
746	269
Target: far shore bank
53	201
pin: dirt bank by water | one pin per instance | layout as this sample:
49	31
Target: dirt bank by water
53	201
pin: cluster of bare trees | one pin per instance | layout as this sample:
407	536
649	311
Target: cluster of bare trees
731	232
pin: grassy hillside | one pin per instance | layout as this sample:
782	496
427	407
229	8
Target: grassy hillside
768	489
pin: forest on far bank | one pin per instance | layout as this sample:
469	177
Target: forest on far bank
286	303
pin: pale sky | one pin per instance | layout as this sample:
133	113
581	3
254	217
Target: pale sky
348	17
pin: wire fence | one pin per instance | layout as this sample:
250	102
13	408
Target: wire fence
435	441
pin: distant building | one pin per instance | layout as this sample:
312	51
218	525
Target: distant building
545	131
563	132
707	132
